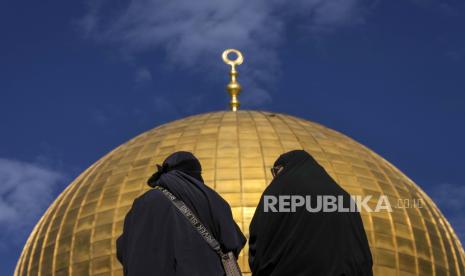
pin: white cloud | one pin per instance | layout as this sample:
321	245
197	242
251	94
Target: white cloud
99	116
450	199
194	33
143	75
26	189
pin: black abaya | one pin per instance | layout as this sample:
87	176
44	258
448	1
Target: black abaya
301	242
158	240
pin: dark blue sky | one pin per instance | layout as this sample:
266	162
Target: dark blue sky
79	78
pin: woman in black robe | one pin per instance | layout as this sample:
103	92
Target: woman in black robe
304	243
158	240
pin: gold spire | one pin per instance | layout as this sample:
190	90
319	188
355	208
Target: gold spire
233	86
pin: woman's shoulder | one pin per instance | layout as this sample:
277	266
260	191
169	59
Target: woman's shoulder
154	198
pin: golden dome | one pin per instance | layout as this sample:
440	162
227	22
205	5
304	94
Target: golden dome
76	235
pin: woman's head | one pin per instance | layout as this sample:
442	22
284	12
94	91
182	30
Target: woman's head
182	161
288	160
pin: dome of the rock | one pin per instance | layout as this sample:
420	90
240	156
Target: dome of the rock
76	235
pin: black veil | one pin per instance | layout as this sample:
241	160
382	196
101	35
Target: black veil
158	240
304	243
181	175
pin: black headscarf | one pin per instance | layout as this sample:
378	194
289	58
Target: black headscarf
158	240
304	243
182	161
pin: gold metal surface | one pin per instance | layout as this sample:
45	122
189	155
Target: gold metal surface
234	88
76	235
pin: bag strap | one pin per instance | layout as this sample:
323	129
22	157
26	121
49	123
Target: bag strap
201	229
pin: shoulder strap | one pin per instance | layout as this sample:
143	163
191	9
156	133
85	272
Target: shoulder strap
196	223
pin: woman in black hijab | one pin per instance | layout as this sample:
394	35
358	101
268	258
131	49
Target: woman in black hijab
304	243
158	240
